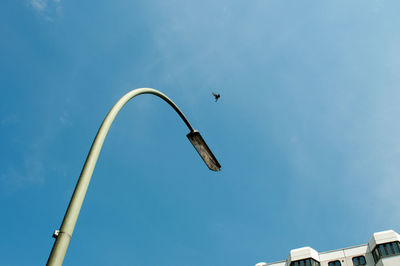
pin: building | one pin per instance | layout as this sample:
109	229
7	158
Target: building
383	249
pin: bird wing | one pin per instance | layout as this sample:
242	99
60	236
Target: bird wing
215	95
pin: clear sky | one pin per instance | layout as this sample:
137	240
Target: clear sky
306	129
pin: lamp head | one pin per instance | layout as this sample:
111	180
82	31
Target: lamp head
201	146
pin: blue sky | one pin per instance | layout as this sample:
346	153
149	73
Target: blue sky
306	129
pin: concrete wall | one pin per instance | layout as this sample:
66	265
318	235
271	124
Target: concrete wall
389	261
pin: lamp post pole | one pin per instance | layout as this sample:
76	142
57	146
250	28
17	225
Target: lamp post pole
63	236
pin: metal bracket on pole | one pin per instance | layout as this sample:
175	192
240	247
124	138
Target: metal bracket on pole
56	233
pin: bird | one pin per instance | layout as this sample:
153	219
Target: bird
216	96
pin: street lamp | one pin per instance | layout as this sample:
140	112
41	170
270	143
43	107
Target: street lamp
63	236
202	148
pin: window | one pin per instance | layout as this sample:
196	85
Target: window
360	260
386	250
305	262
396	248
334	263
383	250
375	254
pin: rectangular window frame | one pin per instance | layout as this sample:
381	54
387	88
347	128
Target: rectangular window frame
306	262
384	248
334	263
357	260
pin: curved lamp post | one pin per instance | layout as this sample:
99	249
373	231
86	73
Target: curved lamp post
63	236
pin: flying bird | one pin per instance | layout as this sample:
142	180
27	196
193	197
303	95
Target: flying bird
216	96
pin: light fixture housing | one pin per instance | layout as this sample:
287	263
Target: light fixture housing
205	153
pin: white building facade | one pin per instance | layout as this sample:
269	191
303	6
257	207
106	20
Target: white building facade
383	249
